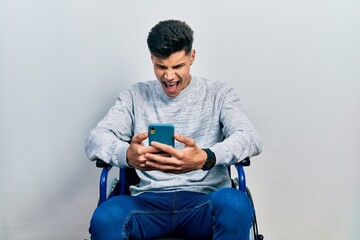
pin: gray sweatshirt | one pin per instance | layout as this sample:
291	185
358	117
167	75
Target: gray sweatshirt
206	111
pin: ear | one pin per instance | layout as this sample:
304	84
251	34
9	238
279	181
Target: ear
192	56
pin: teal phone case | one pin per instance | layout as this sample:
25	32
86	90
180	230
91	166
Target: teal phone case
162	132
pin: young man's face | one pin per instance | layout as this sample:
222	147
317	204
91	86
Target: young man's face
173	72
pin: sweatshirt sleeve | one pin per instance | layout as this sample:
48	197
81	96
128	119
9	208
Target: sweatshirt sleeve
109	140
241	138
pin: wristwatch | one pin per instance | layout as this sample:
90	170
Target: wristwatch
210	160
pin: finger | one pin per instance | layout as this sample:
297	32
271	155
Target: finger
163	154
147	149
161	162
138	138
165	166
185	140
146	167
151	149
163	147
168	149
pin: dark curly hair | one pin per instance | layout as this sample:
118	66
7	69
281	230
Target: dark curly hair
168	37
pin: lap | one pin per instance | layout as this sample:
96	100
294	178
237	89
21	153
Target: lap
153	214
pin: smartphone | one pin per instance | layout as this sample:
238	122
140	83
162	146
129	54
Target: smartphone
162	132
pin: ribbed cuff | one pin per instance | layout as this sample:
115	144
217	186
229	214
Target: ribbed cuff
119	157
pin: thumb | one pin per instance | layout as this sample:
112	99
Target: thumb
185	140
139	137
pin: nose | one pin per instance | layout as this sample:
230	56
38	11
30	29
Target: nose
169	75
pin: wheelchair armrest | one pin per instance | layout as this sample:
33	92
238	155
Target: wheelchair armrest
241	173
101	164
127	177
103	179
245	162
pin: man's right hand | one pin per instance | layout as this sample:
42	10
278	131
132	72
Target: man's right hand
135	155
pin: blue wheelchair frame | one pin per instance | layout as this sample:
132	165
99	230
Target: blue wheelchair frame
128	177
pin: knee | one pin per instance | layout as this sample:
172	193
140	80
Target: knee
233	201
107	216
99	220
100	217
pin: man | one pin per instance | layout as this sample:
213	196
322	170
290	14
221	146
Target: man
184	190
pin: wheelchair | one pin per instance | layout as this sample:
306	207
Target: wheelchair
128	177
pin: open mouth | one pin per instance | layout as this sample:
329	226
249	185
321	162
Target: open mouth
171	86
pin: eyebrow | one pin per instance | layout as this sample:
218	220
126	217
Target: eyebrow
175	66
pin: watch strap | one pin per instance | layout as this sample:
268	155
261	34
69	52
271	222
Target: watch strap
210	160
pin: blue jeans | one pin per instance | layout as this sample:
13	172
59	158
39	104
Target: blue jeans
223	214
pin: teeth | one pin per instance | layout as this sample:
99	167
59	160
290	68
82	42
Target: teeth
171	83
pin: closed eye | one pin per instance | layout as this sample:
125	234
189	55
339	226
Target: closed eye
179	66
161	66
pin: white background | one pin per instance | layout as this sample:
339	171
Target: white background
294	64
